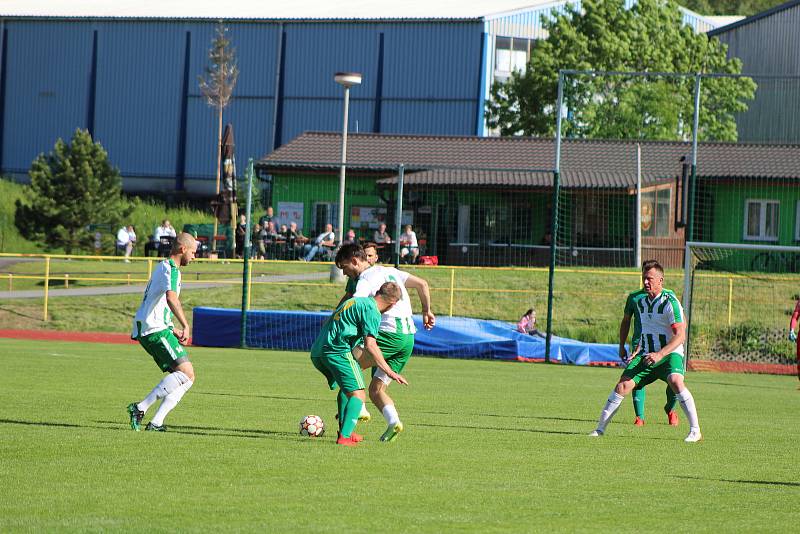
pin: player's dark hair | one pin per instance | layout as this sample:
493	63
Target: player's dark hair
652	264
389	291
349	251
369	244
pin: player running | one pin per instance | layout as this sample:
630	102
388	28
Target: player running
624	328
397	329
662	336
355	319
153	328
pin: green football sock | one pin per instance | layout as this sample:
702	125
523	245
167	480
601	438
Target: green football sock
638	402
351	411
672	400
341	402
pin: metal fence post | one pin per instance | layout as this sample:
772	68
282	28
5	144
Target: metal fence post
398	216
452	289
46	283
246	256
554	220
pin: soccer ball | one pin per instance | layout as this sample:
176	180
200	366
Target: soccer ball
312	426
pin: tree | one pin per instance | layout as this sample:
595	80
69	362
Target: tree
217	88
71	187
604	35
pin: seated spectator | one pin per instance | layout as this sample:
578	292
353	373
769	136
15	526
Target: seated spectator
258	250
270	239
126	239
241	231
325	239
381	236
527	324
163	236
268	217
350	237
409	250
294	240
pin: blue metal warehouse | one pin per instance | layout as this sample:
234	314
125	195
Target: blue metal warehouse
127	71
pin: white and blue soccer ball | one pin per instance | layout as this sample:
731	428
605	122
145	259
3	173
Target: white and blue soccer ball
312	426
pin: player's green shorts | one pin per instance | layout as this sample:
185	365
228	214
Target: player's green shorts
643	374
396	349
339	369
165	349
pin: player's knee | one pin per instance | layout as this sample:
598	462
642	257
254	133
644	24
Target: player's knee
359	393
675	381
624	387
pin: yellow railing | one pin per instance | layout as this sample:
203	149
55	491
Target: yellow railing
451	290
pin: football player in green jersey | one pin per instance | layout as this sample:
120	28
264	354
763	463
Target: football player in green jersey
661	358
356	319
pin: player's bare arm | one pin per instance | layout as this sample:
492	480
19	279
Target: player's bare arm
678	337
793	322
371	347
174	304
424	292
624	330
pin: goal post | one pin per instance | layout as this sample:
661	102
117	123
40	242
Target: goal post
738	298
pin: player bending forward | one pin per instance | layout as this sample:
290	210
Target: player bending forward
661	357
355	319
396	335
153	328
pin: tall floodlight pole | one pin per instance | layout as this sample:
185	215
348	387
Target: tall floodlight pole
346	80
554	219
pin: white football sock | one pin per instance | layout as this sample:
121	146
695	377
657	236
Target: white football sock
390	414
167	385
610	408
169	402
687	403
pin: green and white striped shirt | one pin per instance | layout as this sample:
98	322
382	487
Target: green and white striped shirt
656	318
154	314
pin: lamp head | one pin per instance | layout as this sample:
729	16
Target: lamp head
347	79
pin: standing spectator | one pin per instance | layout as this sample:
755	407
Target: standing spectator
241	231
268	217
381	236
126	239
325	239
410	247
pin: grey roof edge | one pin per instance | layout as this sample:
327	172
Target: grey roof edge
68	18
753	18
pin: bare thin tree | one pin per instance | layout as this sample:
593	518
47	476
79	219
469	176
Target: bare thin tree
217	87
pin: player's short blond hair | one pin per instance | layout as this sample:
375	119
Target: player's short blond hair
183	239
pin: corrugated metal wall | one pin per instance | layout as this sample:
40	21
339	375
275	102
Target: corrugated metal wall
430	84
769	46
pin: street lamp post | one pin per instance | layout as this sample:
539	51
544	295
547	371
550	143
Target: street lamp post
346	80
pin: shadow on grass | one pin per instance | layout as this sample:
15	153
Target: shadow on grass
19	314
738	385
546	418
253	396
43	423
740	481
500	429
173	429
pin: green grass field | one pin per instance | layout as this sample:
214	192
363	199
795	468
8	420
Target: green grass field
489	447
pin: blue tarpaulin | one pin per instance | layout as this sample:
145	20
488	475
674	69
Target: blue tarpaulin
453	337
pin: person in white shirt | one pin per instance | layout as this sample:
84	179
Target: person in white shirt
154	330
126	238
410	246
325	239
163	236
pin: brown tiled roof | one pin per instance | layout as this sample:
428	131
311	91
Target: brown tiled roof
526	161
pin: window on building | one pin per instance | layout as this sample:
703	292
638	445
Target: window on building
489	224
511	53
761	220
655	212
